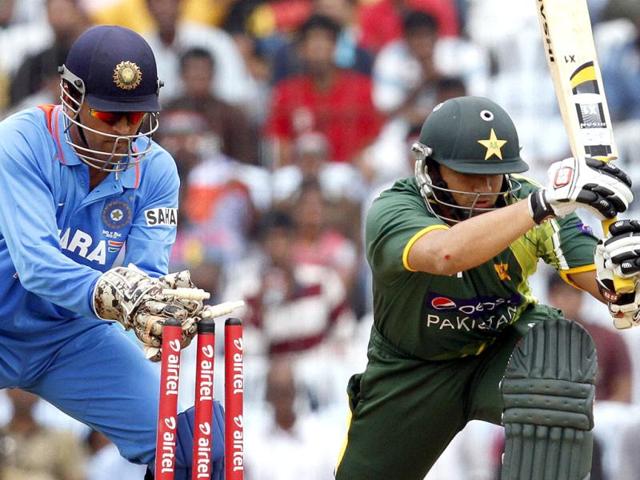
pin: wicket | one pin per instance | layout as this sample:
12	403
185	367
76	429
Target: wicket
204	394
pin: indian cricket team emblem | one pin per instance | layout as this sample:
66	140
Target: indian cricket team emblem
493	145
502	269
127	75
116	214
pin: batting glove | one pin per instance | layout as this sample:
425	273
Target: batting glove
598	186
624	307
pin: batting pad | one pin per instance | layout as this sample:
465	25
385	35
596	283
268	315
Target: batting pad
548	392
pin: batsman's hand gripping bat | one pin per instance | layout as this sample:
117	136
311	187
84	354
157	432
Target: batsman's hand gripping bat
573	63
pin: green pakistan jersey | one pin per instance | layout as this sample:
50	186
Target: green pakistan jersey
441	317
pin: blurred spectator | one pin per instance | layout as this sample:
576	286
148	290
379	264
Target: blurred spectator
27	11
171	36
34	452
185	134
405	73
227	122
612	9
381	20
621	72
106	463
7	8
324	98
216	207
49	91
295	308
219	217
613	382
268	18
290	445
258	92
348	54
449	87
239	17
316	241
339	182
135	14
19	37
67	19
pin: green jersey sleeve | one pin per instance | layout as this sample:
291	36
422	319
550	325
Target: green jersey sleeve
566	244
396	220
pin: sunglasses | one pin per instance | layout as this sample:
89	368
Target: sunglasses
111	118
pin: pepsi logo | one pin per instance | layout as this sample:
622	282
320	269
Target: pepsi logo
443	303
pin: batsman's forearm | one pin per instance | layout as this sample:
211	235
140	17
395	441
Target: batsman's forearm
474	241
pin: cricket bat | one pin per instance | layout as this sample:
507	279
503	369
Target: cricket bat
573	63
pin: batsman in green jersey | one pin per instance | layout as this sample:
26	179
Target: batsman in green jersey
457	333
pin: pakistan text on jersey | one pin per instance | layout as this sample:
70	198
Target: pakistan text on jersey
82	244
467	324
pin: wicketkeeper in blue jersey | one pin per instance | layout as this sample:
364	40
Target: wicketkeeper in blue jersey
79	183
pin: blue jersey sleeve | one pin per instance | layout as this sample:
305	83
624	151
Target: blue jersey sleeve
153	230
28	223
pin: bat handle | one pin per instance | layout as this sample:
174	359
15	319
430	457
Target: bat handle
606	223
621	285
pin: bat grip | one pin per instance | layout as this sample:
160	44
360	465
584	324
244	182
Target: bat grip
621	285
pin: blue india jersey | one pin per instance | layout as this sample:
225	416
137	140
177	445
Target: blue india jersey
57	237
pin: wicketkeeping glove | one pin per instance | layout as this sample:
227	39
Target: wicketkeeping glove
190	327
598	186
142	303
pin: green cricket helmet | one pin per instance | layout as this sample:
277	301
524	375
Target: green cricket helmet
470	135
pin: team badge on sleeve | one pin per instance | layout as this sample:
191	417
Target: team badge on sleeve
502	269
116	214
161	216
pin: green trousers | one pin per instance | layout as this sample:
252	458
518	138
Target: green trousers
405	411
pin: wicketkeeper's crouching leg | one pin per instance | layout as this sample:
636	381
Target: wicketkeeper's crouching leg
184	445
548	391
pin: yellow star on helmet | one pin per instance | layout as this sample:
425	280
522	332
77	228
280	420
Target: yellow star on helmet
493	145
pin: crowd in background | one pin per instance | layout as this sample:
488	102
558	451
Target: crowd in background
286	118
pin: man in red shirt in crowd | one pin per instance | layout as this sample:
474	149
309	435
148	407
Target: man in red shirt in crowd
381	21
324	98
